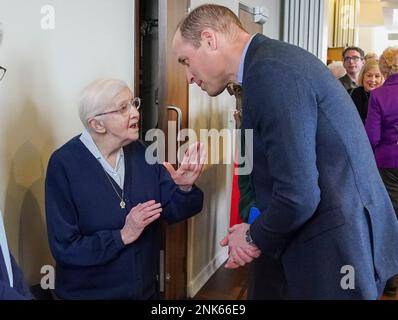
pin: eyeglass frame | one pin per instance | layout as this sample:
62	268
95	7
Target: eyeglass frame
130	103
2	72
354	58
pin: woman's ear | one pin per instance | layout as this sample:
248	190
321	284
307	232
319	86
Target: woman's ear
96	125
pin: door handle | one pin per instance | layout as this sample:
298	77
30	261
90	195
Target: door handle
178	111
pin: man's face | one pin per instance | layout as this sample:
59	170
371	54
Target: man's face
203	65
353	62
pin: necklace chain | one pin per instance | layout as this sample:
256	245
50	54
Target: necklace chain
122	203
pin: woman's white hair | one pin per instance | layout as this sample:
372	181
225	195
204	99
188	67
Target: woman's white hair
98	96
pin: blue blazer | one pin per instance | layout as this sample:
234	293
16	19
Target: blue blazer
20	291
323	204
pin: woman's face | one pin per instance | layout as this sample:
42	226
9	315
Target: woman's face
122	125
372	79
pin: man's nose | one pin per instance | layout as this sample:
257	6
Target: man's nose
190	77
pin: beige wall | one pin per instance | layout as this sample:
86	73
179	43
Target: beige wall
38	98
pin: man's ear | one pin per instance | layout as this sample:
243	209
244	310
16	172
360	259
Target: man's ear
209	39
96	125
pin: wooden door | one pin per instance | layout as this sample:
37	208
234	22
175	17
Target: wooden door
173	93
158	19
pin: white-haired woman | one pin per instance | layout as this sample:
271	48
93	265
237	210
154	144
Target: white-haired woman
103	201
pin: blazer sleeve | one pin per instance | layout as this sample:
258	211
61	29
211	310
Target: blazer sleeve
68	245
284	113
373	122
8	293
177	204
19	280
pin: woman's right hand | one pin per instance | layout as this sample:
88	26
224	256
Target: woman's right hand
138	218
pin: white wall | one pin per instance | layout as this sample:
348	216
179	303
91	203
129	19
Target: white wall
375	39
205	255
46	70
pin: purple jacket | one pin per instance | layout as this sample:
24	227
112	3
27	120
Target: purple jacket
382	123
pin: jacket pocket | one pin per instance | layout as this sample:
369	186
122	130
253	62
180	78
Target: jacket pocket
320	223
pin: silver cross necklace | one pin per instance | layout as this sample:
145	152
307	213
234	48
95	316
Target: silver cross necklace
121	197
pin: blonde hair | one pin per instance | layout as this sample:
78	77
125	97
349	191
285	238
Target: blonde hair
371	56
369	64
215	17
389	61
97	96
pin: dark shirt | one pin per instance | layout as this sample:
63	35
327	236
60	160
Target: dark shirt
347	82
361	100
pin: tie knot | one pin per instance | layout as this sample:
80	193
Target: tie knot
234	89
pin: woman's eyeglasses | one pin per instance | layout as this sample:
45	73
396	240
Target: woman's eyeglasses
2	72
125	107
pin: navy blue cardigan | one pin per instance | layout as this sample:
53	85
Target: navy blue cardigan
84	220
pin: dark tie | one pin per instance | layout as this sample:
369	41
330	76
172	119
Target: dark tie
236	90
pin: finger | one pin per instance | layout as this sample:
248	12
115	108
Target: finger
147	204
253	253
238	260
233	228
192	153
152	207
151	219
231	264
224	242
243	255
137	208
169	168
149	214
199	152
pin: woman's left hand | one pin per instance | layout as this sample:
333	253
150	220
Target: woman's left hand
191	166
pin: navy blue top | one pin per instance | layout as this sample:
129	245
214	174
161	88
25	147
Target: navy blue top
84	220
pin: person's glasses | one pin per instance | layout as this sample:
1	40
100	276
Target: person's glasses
125	107
2	72
354	58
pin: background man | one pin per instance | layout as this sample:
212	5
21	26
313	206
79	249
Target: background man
353	60
12	283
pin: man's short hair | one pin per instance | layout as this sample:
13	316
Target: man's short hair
359	50
218	18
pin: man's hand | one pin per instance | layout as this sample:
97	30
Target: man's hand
191	166
240	251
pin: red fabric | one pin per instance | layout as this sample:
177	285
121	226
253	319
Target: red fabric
234	216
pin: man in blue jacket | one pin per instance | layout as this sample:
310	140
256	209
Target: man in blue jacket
12	284
325	214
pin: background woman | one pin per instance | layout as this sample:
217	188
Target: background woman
382	129
369	79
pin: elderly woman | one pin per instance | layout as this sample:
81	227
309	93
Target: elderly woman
369	79
103	201
382	129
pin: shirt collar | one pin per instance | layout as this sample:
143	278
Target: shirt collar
88	141
242	60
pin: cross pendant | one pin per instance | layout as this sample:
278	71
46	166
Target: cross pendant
122	204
